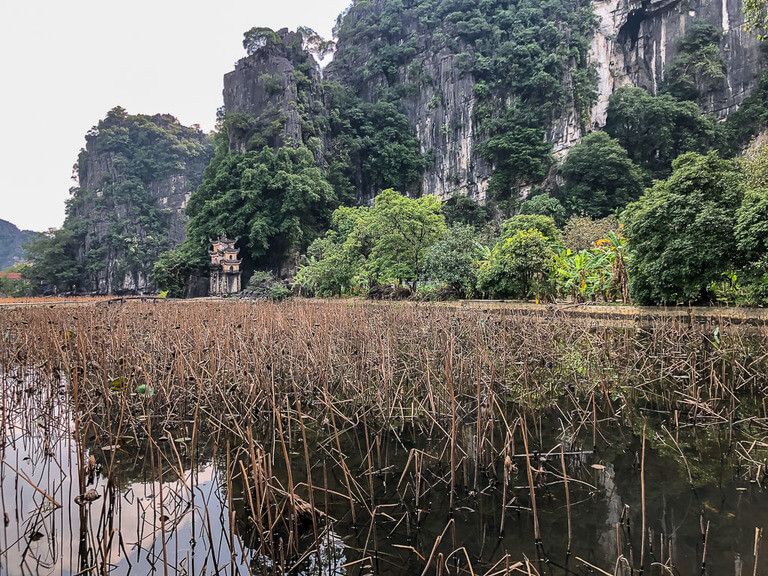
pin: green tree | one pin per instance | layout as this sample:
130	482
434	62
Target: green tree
599	177
681	231
519	153
520	266
654	130
745	123
276	202
53	261
330	268
752	216
545	205
404	229
544	224
699	68
382	244
372	147
174	268
453	260
462	210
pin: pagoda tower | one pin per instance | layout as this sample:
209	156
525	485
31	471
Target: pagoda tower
225	268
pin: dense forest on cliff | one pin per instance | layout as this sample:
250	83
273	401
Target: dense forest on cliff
134	176
500	108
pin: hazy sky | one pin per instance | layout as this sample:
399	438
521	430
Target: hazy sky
64	64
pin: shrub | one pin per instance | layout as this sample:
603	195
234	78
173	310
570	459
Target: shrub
520	266
263	285
452	261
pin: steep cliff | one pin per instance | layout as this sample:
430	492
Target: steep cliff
638	40
135	177
466	73
274	96
12	241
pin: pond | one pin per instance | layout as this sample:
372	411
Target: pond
155	513
305	485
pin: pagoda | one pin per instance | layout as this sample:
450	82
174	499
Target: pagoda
225	267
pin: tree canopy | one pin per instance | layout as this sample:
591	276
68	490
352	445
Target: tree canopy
654	130
599	177
681	231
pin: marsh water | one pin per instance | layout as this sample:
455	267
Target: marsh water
330	439
149	519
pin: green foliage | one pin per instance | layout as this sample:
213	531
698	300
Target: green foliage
752	224
654	130
581	232
116	226
522	222
529	55
403	229
453	261
744	124
372	147
17	288
173	269
520	266
544	205
519	153
599	177
462	210
599	272
681	231
274	201
264	285
756	16
746	287
699	68
750	282
53	261
330	268
387	243
258	38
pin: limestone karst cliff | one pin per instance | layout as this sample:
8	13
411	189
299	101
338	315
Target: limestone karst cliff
636	41
273	91
135	176
466	73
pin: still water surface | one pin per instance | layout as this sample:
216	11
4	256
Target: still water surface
149	519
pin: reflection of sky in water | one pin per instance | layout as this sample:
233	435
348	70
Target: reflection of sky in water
129	535
195	530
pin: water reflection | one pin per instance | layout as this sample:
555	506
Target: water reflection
174	506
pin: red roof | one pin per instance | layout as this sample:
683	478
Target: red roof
11	275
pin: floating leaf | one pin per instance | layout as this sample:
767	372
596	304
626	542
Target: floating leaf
145	390
116	384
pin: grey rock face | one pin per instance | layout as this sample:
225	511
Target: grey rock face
443	113
265	88
638	40
135	177
441	109
635	44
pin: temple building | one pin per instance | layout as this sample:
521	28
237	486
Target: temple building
225	268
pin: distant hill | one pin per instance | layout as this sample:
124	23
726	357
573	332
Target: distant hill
12	241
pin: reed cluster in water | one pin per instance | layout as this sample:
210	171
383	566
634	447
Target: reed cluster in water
322	413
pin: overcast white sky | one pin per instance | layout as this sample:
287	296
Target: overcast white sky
65	63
